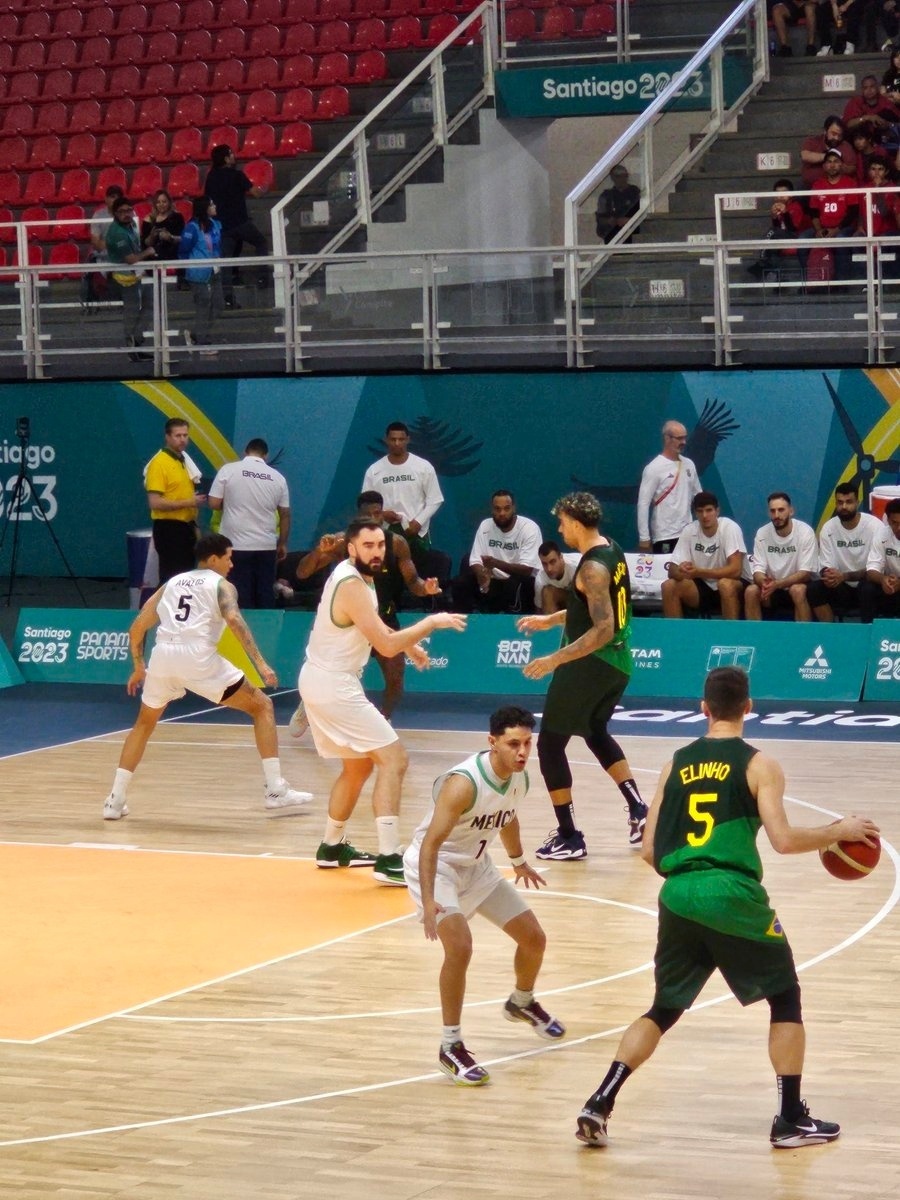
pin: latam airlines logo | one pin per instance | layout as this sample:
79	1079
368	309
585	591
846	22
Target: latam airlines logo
816	668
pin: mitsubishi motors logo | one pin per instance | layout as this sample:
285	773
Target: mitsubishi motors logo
816	666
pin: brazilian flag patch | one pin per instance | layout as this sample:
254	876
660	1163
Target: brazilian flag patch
775	929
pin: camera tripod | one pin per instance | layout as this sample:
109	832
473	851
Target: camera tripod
22	491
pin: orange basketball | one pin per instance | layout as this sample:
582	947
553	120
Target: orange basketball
850	860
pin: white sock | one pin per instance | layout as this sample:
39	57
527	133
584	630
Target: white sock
334	832
522	999
451	1034
272	769
121	782
388	830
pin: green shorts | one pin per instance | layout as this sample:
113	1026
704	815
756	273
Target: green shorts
687	953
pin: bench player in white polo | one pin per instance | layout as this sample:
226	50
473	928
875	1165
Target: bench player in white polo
192	610
344	723
451	876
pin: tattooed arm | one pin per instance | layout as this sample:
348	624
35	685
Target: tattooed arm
228	607
593	583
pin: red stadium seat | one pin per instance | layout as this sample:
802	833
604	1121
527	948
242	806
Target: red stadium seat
162	47
29	56
155	113
297	105
57	84
261	106
404	33
230	43
190	111
296	138
261	173
46	151
40	188
132	19
35	257
165	15
224	109
440	27
147	180
558	23
10	187
65	254
63	232
9	26
521	24
7	231
335	10
363	9
129	49
90	83
160	79
125	80
74	186
142	210
19	118
233	12
266	39
333	68
265	12
333	102
184	180
63	53
36	25
67	22
197	46
228	76
298	10
371	34
298	71
116	148
38	220
99	19
259	142
52	118
185	208
150	147
300	38
13	153
598	21
262	73
402	8
199	14
107	177
371	67
334	35
24	86
84	116
120	114
222	135
81	151
187	144
96	52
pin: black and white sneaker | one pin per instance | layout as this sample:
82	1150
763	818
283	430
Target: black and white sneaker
591	1124
806	1131
462	1068
637	819
537	1017
560	848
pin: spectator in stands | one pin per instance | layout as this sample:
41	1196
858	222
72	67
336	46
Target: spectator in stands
845	545
553	583
256	518
123	246
789	220
835	211
409	485
785	558
202	239
668	485
708	562
884	207
617	204
812	152
229	188
867	151
100	222
841	22
162	229
890	80
871	108
783	13
879	592
503	563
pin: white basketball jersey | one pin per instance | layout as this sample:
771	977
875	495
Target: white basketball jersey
496	803
334	647
188	609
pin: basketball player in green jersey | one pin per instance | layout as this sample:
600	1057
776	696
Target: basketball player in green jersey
713	910
591	670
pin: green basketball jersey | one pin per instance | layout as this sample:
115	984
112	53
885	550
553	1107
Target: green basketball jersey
708	818
616	652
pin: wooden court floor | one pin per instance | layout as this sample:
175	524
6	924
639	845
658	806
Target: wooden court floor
189	1009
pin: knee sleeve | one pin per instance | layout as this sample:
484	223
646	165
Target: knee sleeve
664	1018
605	749
786	1006
553	762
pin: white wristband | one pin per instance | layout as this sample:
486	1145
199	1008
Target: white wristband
518	862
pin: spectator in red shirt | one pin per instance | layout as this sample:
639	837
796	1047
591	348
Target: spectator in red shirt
884	204
812	152
871	108
835	211
789	220
867	152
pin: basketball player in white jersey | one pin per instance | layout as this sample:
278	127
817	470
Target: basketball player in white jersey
451	876
192	610
344	723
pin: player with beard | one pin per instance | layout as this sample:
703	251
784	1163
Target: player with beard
344	723
503	561
845	544
785	558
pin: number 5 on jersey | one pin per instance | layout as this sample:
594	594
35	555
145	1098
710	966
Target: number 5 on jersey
705	820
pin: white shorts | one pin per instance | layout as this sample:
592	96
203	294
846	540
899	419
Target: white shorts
479	888
344	723
174	670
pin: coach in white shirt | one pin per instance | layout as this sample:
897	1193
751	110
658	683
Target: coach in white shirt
410	488
254	500
785	558
707	564
844	547
668	485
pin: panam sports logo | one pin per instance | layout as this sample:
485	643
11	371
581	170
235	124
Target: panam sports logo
731	656
816	668
52	646
513	652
